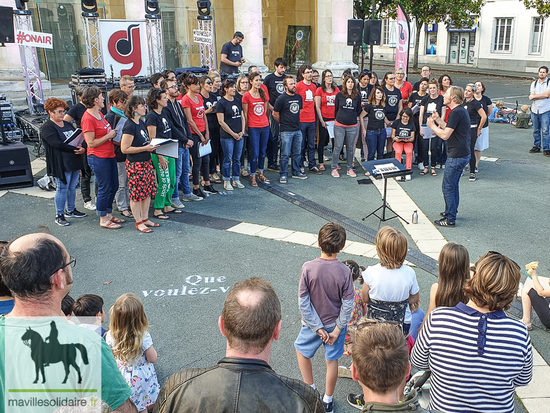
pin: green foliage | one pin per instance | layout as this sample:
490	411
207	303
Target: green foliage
542	6
363	8
457	12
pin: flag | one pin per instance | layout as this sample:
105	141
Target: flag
403	40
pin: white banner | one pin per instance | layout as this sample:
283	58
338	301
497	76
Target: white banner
124	46
34	39
202	36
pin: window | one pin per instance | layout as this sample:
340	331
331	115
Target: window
389	30
535	45
502	35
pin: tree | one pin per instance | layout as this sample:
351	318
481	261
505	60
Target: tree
542	6
458	12
363	9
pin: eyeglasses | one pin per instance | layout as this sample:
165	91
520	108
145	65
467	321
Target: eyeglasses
208	83
398	74
60	111
173	87
72	263
391	78
307	72
130	87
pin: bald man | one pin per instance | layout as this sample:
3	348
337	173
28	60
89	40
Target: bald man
37	269
243	380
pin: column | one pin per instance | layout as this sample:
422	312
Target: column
10	62
247	18
332	30
134	10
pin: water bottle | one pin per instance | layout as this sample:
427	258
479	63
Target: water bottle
415	217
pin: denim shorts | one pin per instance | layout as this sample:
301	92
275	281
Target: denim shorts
309	342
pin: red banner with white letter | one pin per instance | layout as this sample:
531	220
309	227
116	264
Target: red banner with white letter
403	39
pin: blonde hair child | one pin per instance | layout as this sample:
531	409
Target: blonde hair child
133	350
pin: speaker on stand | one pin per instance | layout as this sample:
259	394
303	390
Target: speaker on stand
355	32
7	32
372	36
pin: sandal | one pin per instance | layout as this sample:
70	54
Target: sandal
244	173
321	167
127	213
425	171
253	181
174	211
433	172
145	230
262	178
111	225
161	216
117	220
150	223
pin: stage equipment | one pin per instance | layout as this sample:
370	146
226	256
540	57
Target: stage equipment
15	166
7	34
155	43
355	32
372	32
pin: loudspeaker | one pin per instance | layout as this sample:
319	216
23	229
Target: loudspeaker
355	32
373	32
7	34
15	166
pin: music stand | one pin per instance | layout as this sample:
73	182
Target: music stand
370	166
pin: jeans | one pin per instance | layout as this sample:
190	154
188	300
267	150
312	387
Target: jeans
376	140
66	193
291	142
258	144
442	148
308	143
541	123
106	175
273	143
200	163
451	179
232	151
122	196
344	135
182	173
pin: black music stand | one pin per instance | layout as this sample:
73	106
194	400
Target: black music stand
370	167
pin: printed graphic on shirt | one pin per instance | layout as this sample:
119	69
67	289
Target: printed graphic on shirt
379	114
392	100
236	53
309	95
208	105
330	100
167	127
236	111
404	133
294	107
259	109
349	103
364	95
200	112
280	88
145	137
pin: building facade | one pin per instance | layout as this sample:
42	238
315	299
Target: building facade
506	36
318	27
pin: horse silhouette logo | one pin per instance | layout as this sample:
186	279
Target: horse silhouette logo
50	351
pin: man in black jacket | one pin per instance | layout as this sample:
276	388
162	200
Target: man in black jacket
243	380
182	133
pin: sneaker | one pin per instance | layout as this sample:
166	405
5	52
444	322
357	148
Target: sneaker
547	153
442	214
176	203
191	197
227	186
399	178
283	179
329	407
89	205
209	189
534	149
198	192
351	173
303	170
421	166
306	164
443	166
315	170
408	177
356	400
216	176
444	222
237	184
477	170
75	214
61	221
335	173
472	178
344	372
438	166
299	175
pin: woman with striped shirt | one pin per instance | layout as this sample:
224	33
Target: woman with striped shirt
476	353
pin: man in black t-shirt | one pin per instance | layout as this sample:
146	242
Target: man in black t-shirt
286	112
232	55
457	132
275	87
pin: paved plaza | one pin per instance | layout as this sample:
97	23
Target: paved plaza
183	270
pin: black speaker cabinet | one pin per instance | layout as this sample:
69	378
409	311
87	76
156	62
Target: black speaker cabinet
355	32
7	34
15	166
373	32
